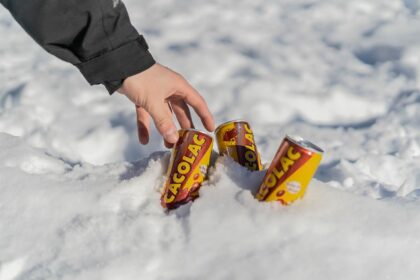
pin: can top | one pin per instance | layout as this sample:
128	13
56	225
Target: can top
304	144
228	122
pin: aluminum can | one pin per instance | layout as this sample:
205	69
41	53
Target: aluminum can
290	171
236	139
187	168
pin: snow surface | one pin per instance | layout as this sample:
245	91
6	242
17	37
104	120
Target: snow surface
79	197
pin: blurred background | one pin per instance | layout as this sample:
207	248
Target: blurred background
277	64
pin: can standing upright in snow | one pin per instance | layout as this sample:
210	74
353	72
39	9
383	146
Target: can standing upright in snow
236	139
290	171
187	169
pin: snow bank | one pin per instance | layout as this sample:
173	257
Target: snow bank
79	198
89	222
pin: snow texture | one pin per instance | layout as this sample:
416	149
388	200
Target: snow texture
79	197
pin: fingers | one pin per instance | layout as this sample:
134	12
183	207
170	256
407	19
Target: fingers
162	117
193	98
166	143
182	113
143	125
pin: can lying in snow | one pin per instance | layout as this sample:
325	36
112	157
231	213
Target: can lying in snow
236	139
290	171
187	169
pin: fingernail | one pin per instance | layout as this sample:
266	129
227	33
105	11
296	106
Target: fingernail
171	136
143	140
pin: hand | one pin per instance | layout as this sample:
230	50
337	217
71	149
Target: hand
157	93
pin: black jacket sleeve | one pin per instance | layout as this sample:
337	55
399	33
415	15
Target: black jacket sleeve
94	35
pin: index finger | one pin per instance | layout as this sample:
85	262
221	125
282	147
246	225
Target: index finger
195	100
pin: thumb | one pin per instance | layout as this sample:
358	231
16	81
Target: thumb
162	117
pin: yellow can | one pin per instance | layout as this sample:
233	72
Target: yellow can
290	171
236	139
187	168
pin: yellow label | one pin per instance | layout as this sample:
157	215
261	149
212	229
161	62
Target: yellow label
294	186
236	140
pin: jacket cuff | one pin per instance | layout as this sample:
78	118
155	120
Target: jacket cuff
113	86
114	66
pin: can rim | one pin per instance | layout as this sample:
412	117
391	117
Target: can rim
227	122
301	142
196	130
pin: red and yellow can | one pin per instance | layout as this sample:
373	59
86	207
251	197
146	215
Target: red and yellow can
187	168
236	139
290	171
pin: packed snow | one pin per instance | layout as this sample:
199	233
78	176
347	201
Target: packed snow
80	198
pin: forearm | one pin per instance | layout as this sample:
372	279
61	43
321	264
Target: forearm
94	35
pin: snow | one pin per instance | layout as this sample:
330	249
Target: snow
79	197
